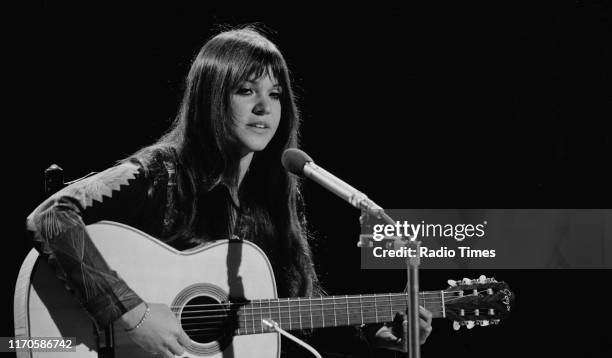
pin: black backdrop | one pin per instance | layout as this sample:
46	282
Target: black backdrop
428	106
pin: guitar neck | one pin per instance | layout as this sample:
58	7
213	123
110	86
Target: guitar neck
332	311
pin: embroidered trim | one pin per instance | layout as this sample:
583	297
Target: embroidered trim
103	184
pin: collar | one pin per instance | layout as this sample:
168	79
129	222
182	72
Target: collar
222	185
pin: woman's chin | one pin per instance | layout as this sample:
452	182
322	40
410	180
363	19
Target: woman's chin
255	146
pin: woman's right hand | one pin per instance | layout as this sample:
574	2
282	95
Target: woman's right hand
160	333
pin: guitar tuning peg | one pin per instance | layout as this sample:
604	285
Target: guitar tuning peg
482	279
456	325
452	283
484	322
466	281
470	324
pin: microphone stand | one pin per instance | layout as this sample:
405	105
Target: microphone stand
298	162
412	344
412	286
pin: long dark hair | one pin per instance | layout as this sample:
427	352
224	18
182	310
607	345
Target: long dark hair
206	148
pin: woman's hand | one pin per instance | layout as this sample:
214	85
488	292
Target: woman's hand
394	338
160	333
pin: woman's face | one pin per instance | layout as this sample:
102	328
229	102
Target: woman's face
256	110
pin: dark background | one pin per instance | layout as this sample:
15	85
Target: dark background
425	106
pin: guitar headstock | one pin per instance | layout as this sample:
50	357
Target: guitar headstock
480	302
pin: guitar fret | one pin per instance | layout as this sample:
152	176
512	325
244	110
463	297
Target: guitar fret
375	308
269	311
361	308
280	317
322	312
300	312
243	317
310	310
261	324
390	306
422	301
253	317
348	316
335	321
443	305
289	308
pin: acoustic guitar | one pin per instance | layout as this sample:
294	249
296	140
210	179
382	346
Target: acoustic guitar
220	294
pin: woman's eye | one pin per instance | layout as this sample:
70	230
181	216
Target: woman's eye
275	95
244	91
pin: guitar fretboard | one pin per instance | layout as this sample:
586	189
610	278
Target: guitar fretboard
331	311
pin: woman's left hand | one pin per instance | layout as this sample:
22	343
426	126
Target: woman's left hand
393	337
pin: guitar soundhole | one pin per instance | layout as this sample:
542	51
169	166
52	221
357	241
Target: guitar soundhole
205	320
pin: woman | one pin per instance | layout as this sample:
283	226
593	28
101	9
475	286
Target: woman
215	174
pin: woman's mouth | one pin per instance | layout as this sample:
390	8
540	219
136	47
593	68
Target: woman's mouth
259	125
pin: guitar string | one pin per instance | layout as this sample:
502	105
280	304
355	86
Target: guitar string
245	311
280	300
305	316
287	309
291	301
253	319
287	313
315	300
267	305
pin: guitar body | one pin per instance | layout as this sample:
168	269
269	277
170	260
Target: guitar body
159	274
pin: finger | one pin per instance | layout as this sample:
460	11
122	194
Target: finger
391	338
398	320
183	339
387	340
175	347
424	331
386	336
426	314
425	325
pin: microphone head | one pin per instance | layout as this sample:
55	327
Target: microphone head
294	160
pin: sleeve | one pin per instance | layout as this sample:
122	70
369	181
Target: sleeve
57	228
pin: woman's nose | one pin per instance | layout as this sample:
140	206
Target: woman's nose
263	106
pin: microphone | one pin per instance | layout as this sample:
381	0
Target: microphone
299	163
